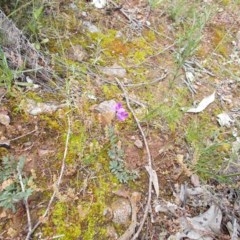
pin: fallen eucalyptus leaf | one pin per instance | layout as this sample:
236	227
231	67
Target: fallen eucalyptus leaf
203	104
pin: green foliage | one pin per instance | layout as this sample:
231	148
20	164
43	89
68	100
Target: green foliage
34	25
170	114
208	147
191	36
190	21
10	177
6	74
155	3
116	155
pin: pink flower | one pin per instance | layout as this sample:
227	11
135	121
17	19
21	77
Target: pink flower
121	113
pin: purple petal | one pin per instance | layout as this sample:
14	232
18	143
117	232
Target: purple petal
122	115
118	106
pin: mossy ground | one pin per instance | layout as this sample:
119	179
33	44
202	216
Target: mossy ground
87	184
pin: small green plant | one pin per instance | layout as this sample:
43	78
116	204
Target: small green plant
116	155
189	21
11	182
6	74
154	3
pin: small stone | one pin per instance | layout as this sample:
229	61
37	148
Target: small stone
138	143
90	27
106	106
4	118
114	70
5	143
121	209
224	120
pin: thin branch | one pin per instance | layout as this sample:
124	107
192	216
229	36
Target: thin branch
25	201
147	83
147	207
16	138
57	183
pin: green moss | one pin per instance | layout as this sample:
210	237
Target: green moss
140	51
149	36
94	223
221	40
113	47
110	91
77	142
51	122
65	221
225	2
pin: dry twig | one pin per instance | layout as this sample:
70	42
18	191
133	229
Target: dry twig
25	201
159	79
30	232
147	207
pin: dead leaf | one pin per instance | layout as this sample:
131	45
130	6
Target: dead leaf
3	214
138	143
180	161
203	104
165	207
195	180
153	174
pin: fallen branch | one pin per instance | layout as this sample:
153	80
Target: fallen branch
147	207
30	232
